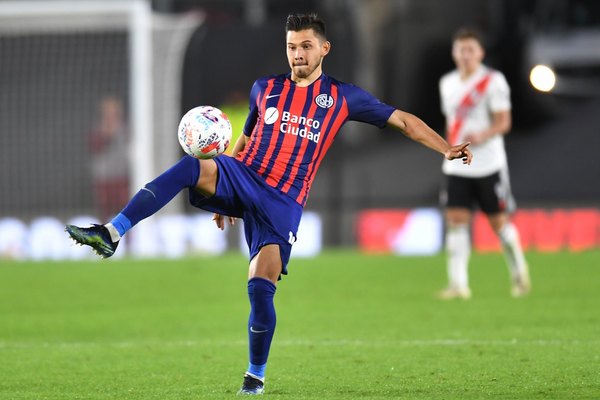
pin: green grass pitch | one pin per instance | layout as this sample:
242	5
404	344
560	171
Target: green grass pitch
350	326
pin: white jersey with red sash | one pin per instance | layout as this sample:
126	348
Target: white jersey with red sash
468	106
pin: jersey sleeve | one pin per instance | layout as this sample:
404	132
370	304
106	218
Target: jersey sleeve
364	107
253	109
499	93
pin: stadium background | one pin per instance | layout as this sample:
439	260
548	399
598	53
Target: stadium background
55	68
349	325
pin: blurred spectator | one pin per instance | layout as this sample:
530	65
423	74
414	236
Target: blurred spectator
109	147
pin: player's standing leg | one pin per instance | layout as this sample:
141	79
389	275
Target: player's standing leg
511	245
151	198
262	278
458	247
498	203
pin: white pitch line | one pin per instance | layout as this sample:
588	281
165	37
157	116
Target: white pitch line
300	343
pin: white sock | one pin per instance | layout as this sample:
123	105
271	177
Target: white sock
458	246
114	234
511	244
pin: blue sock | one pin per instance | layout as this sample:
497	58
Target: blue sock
261	324
121	223
156	194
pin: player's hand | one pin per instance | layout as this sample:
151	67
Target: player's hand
459	151
220	220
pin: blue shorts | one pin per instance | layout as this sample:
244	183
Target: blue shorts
270	216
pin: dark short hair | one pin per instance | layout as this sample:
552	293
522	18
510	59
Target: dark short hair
300	22
468	33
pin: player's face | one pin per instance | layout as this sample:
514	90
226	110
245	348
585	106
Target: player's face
305	52
467	54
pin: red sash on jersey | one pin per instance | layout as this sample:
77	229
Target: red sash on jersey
466	105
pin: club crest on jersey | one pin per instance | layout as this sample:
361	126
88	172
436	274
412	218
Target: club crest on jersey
324	100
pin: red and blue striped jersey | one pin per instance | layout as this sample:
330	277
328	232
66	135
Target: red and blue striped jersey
292	127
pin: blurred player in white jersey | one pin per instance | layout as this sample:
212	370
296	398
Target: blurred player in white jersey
476	103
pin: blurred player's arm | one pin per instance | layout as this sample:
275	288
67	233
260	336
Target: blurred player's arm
501	124
240	145
417	130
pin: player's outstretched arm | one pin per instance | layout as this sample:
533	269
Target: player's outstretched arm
419	131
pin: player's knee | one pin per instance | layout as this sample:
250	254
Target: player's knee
207	178
191	166
457	217
267	264
498	222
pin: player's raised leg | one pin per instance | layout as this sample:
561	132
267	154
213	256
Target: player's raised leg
187	172
263	275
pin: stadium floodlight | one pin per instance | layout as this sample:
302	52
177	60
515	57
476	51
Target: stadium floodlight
542	78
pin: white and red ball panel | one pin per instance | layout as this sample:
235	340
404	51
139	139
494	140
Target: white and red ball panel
204	132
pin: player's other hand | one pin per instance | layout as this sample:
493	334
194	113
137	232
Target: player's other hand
459	151
220	220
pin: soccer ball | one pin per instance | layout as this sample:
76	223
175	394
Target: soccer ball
204	132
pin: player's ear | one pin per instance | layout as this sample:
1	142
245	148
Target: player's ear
325	47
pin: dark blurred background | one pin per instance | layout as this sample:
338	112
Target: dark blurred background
54	72
398	50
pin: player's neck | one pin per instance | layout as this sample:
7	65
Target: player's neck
309	80
468	73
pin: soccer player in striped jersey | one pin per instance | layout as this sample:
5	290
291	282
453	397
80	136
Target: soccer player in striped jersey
476	103
292	122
